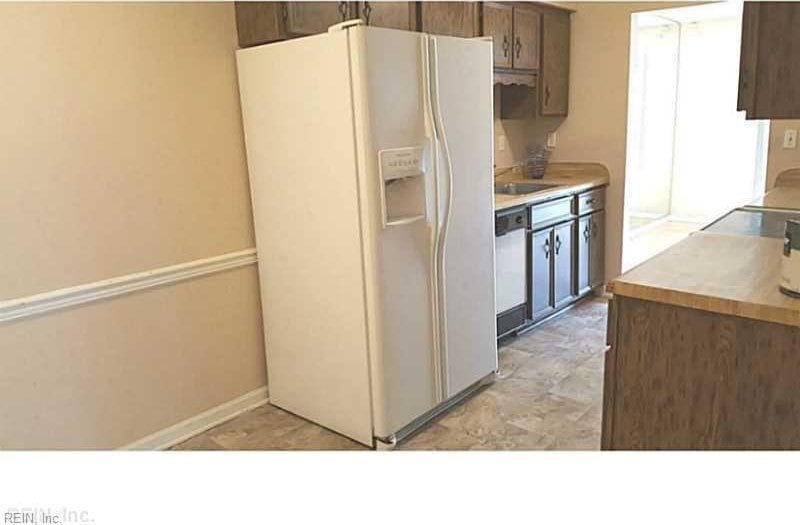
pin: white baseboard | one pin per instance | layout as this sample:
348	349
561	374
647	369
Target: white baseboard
179	432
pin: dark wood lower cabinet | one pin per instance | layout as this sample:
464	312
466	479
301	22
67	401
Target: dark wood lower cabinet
590	257
552	273
582	283
563	289
565	253
541	293
597	252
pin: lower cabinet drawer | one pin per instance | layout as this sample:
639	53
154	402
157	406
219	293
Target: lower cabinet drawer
590	201
550	212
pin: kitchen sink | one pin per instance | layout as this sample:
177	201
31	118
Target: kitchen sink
522	188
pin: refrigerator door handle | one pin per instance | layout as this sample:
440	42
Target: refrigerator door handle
430	131
440	252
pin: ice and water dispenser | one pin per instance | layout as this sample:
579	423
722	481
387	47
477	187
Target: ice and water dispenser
403	185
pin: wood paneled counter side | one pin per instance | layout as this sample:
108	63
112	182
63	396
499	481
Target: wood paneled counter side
704	350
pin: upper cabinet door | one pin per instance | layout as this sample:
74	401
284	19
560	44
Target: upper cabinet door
308	18
769	74
554	84
498	24
394	15
450	18
259	22
527	25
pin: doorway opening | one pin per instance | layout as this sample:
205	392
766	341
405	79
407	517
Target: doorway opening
690	155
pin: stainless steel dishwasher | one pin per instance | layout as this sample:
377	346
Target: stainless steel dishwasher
510	270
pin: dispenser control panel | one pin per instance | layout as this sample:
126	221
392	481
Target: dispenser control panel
400	163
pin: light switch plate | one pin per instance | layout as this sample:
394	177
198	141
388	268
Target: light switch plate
552	139
790	139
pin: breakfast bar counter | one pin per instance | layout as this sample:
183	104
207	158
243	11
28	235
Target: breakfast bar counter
704	350
725	274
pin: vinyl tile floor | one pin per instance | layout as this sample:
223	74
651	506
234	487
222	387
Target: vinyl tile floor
547	396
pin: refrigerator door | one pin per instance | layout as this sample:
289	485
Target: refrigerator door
392	116
301	155
461	87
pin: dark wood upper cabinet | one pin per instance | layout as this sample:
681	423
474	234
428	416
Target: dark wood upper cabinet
515	32
309	18
262	22
554	68
449	18
394	15
527	25
498	23
769	71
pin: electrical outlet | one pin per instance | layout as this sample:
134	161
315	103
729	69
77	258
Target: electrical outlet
790	139
552	139
502	144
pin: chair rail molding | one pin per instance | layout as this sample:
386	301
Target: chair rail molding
22	307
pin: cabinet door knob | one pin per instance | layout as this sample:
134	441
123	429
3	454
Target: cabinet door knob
505	46
558	244
518	47
547	248
343	10
546	95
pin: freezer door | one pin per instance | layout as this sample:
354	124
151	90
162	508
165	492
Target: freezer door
461	86
302	163
389	93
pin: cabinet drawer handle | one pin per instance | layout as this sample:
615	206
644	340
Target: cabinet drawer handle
558	244
590	201
367	12
547	248
505	46
518	47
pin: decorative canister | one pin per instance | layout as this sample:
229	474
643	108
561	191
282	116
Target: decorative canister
790	263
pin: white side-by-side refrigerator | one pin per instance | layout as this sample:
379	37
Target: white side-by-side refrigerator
370	158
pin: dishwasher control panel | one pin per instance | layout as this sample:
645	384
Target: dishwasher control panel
508	222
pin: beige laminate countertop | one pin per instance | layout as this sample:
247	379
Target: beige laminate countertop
781	198
726	274
567	178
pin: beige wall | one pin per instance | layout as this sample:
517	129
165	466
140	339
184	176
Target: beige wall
108	373
781	159
122	152
519	134
595	130
122	143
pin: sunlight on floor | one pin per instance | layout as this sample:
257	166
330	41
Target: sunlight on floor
644	243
